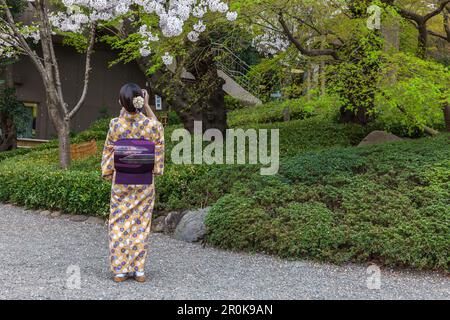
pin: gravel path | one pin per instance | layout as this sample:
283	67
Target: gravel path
40	258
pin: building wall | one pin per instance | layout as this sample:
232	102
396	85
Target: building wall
103	90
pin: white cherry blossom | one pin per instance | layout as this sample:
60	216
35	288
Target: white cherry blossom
167	59
78	16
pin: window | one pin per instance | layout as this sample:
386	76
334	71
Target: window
28	128
158	102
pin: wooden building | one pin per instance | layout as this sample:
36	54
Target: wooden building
102	97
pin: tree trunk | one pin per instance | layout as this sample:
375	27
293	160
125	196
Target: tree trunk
358	117
447	116
61	124
64	144
422	41
211	113
209	109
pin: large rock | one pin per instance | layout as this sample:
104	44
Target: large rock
158	224
377	137
192	226
172	220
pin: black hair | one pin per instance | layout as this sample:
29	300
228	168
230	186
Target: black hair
127	93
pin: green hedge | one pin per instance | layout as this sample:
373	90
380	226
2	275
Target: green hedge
388	203
182	186
44	186
273	111
12	153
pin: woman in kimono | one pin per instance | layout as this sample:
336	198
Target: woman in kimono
131	205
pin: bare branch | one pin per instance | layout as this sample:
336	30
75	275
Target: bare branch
438	10
299	46
415	16
87	73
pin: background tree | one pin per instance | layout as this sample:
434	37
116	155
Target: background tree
79	21
422	18
337	34
192	55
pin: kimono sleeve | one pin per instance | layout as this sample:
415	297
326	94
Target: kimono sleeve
159	149
108	154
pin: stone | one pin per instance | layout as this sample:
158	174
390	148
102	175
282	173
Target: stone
192	226
376	137
55	214
158	224
79	218
172	220
45	213
95	220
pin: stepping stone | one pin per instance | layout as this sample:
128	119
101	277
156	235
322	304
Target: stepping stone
55	214
45	213
95	220
79	218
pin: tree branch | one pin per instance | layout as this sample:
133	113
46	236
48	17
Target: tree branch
447	22
438	10
87	73
54	61
438	35
414	16
22	42
299	46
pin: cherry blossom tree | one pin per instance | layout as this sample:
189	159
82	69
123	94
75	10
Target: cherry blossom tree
86	17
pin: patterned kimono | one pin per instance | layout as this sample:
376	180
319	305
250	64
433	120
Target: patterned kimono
131	205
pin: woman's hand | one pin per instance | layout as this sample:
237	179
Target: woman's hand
147	108
146	97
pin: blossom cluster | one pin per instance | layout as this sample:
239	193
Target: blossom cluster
9	45
270	43
172	15
79	15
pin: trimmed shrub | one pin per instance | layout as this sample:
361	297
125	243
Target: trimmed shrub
44	187
388	203
271	112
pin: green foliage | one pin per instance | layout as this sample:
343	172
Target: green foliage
182	186
355	78
388	203
37	185
270	112
232	104
273	74
76	40
315	133
17	6
173	118
96	131
12	153
14	109
412	94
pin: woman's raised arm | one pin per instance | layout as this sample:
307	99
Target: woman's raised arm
147	108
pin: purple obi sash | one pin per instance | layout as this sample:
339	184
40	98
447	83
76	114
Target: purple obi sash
134	160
